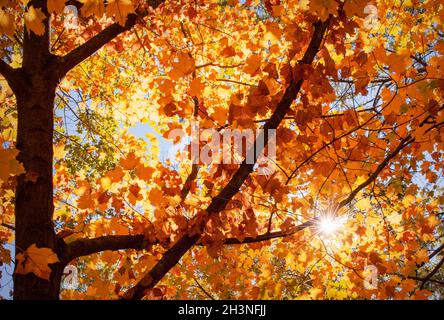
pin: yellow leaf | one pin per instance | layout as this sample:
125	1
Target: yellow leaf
105	183
408	200
56	6
359	180
363	204
59	151
315	293
62	213
422	256
395	218
36	260
34	20
120	9
174	201
302	257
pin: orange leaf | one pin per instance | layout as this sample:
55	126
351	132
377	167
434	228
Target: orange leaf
8	164
37	261
253	65
130	162
120	9
34	20
196	87
183	64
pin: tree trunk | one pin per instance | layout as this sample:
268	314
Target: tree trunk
34	200
34	192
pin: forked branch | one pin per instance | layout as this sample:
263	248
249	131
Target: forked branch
87	49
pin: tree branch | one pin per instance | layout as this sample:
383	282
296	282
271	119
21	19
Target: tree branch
175	253
85	50
428	278
7	226
5	69
271	235
404	142
436	251
203	289
186	188
11	75
421	279
432	273
88	246
84	247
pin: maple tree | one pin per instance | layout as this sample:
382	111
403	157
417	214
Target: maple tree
353	88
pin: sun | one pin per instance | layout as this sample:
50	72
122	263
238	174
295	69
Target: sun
329	225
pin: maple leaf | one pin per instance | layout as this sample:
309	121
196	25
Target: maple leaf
115	175
273	185
34	20
156	196
220	115
422	256
273	33
105	182
324	8
8	164
134	194
120	9
86	201
56	6
253	64
92	7
182	65
6	23
130	162
228	51
5	255
196	87
355	7
170	109
60	151
144	173
37	261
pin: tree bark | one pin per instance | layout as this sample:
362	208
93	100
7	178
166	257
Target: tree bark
34	202
34	192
